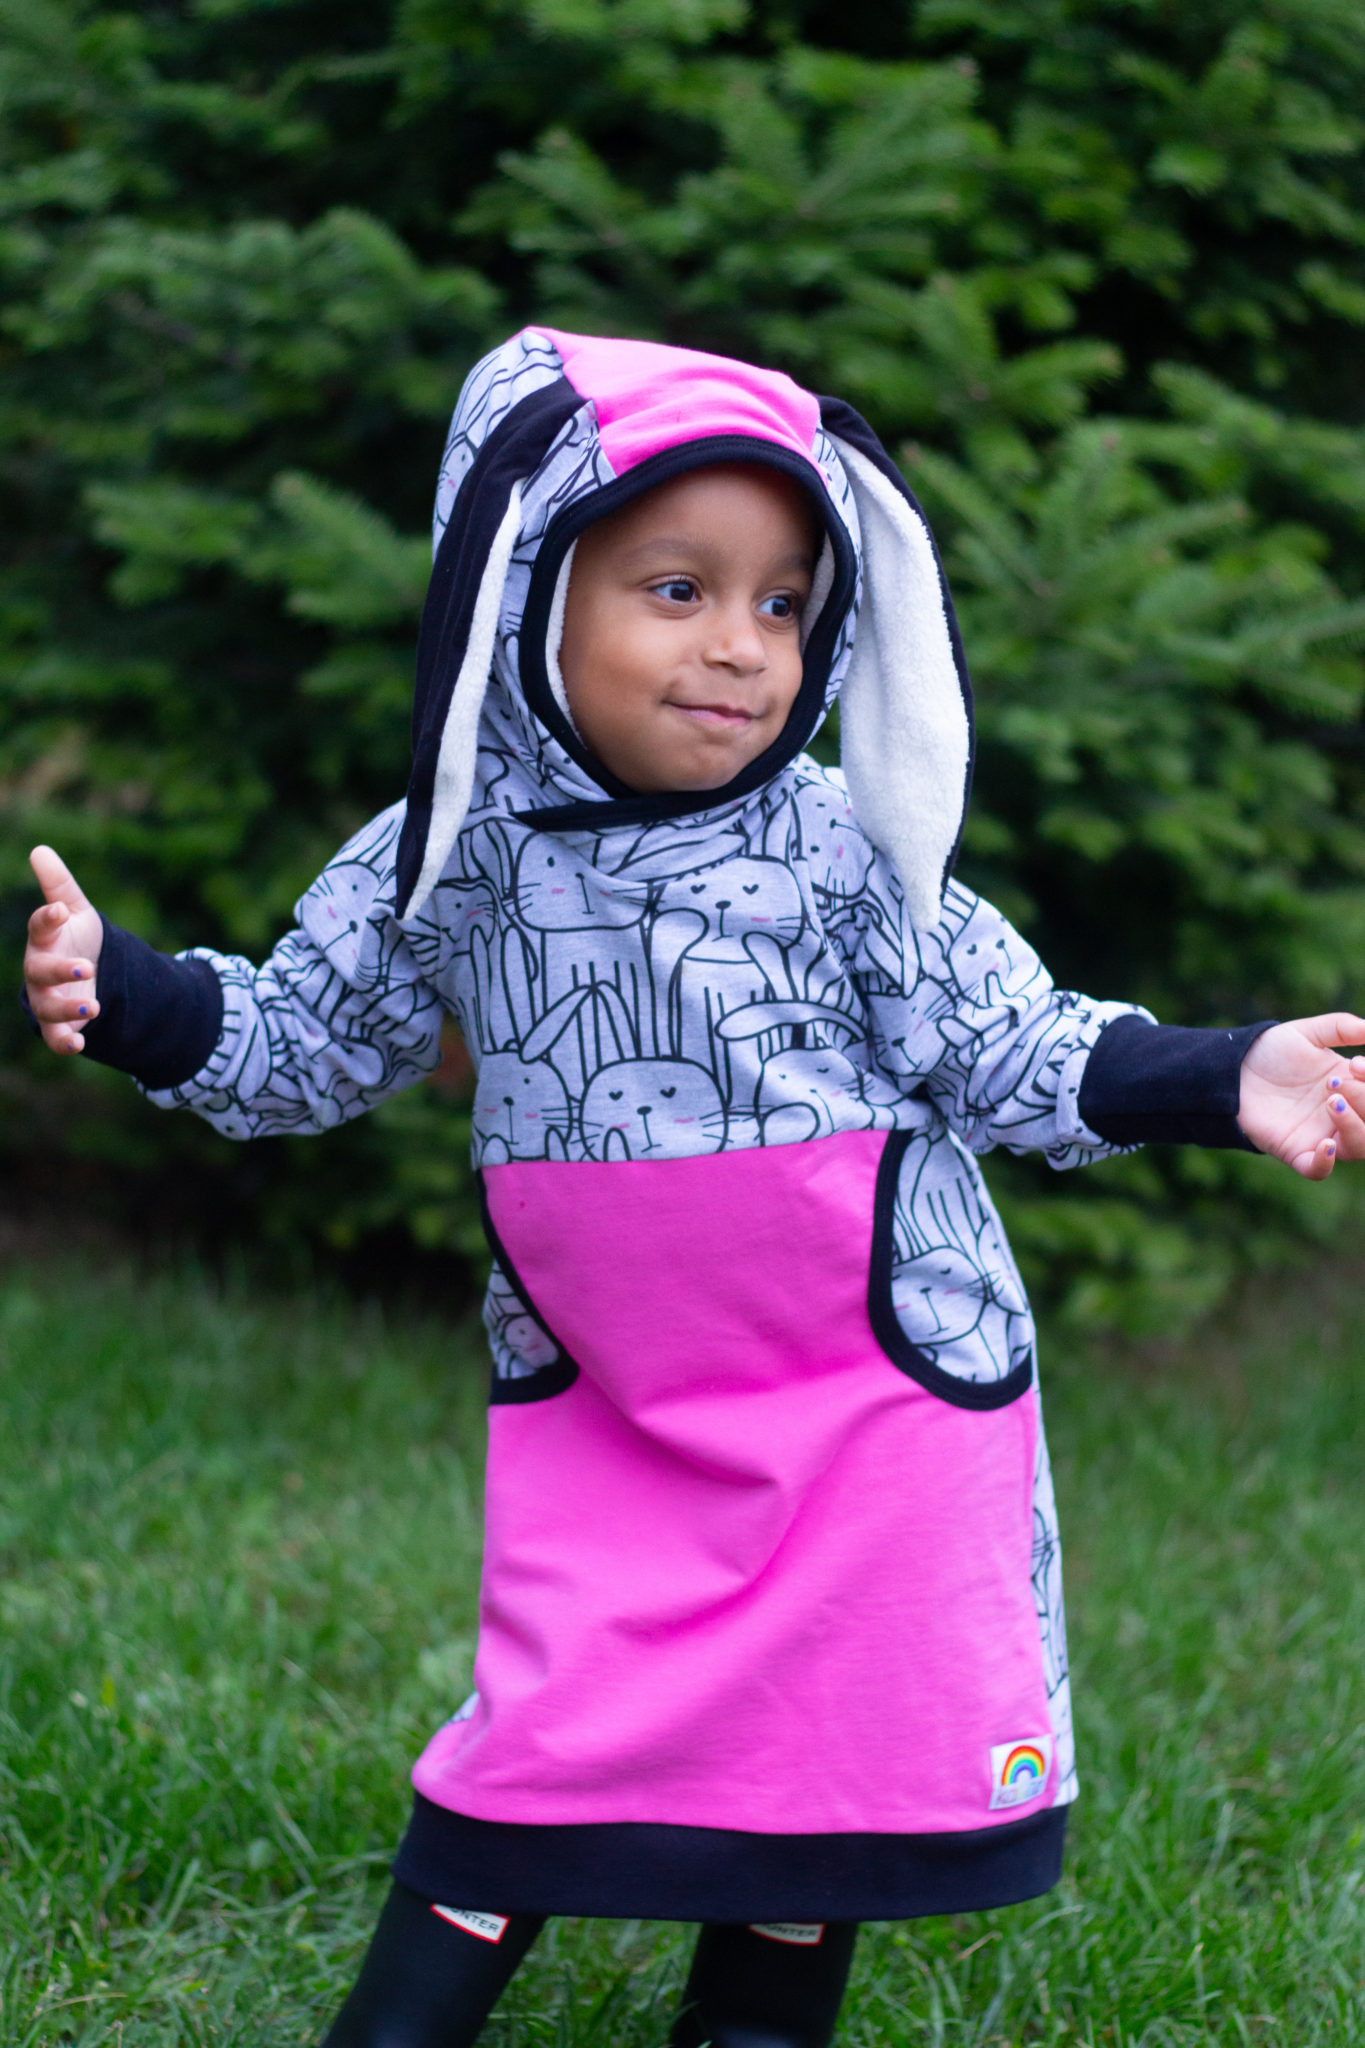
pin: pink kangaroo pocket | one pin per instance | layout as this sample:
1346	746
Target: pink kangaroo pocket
743	1571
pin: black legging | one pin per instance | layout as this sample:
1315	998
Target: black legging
426	1983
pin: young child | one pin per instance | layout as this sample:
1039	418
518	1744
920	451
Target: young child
771	1630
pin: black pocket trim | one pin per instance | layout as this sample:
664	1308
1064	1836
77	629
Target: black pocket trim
547	1380
916	1364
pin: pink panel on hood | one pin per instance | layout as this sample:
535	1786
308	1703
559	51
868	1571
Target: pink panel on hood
649	397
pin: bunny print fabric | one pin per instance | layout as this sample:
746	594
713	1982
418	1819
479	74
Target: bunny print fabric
772	1622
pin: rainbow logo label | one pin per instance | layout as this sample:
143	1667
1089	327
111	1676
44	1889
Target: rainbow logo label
1020	1770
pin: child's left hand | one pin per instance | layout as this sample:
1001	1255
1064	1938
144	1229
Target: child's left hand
1301	1101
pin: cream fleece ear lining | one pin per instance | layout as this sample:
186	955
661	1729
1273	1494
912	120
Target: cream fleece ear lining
905	737
454	781
554	639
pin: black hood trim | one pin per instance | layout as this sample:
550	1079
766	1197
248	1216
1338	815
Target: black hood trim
623	805
513	451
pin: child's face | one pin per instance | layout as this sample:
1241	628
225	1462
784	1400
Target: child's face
681	654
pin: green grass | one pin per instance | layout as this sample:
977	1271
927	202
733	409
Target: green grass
240	1544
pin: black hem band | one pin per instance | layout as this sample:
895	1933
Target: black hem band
632	1870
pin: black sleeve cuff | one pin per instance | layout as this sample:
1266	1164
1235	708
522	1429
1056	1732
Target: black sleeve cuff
1163	1084
160	1018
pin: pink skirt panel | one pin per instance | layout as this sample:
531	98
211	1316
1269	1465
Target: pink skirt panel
744	1572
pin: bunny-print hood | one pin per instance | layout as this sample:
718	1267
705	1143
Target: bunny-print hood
553	431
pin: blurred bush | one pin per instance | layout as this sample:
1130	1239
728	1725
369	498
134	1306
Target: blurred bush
1094	268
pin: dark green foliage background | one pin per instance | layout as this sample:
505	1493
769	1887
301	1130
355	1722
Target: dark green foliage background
1094	268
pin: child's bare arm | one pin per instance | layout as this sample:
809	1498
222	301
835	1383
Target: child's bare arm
62	956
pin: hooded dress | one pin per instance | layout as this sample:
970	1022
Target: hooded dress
771	1615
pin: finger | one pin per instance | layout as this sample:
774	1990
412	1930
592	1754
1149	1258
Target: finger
1335	1028
1317	1164
52	970
47	921
63	1006
62	1038
1343	1085
1348	1132
1345	1095
57	882
1341	1115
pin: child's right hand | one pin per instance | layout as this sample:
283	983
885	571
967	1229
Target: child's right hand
64	940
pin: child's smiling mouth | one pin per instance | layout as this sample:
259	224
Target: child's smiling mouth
733	716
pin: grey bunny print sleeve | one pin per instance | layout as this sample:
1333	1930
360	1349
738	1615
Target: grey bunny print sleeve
969	1014
339	1018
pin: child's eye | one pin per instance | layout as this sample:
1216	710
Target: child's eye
782	605
677	589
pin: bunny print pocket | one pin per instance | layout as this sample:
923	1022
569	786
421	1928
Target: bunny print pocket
529	1362
932	1278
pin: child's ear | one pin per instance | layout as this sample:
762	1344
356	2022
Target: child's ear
905	705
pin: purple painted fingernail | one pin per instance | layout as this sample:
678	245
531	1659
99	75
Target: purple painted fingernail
1338	1105
83	1011
1332	1146
76	976
1335	1081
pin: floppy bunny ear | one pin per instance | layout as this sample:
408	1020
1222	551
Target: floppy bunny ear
906	703
459	625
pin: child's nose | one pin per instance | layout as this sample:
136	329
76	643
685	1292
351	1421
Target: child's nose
735	640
